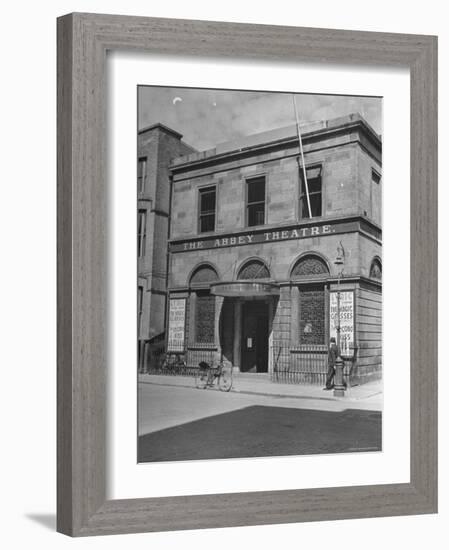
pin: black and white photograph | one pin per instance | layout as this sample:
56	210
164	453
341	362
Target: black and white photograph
259	257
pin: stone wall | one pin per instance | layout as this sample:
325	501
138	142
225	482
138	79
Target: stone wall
370	192
279	256
369	334
346	157
347	151
159	145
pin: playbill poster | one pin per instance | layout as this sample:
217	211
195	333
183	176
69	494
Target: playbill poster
341	317
176	325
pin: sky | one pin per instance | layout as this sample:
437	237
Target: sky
207	117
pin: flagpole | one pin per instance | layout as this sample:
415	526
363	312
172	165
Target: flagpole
302	155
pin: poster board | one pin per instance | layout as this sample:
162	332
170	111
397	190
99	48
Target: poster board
347	320
176	325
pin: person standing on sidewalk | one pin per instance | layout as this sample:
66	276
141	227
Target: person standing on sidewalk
331	360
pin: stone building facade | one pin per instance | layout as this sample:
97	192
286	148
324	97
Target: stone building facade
260	264
245	263
157	147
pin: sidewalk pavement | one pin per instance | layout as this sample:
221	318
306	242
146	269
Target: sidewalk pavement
260	384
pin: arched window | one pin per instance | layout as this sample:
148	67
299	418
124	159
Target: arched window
375	271
254	269
203	274
311	307
308	267
203	304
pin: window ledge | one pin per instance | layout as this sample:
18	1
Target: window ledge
309	348
200	346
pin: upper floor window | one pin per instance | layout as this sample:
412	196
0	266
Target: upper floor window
139	305
141	174
375	176
141	232
207	206
255	201
314	190
375	271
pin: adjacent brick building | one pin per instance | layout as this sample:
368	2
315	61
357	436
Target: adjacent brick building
259	263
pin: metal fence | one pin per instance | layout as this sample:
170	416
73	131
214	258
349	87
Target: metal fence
196	355
181	364
306	364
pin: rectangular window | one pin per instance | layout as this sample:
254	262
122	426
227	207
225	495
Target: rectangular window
207	209
312	315
375	176
141	232
141	174
255	201
205	318
139	306
313	174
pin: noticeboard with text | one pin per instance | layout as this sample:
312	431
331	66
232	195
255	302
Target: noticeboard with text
176	325
342	305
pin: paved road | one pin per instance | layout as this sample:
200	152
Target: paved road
188	424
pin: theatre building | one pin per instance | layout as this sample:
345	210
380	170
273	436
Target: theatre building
263	268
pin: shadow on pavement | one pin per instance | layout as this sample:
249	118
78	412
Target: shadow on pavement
260	431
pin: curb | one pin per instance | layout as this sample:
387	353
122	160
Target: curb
268	394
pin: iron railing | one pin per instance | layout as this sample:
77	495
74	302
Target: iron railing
306	364
182	363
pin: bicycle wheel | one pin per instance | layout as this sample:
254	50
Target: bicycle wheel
201	377
225	381
182	368
162	366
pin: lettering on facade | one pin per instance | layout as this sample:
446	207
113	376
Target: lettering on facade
269	236
176	325
346	310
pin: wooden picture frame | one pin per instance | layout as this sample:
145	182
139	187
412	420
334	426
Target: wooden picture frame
83	40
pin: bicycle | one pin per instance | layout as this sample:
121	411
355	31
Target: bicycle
207	375
172	363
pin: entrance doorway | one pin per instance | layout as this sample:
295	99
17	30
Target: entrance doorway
254	337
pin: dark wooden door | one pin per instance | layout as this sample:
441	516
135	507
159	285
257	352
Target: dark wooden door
254	337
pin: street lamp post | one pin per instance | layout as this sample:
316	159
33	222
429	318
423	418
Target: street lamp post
339	386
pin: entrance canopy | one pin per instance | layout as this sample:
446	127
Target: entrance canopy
242	289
